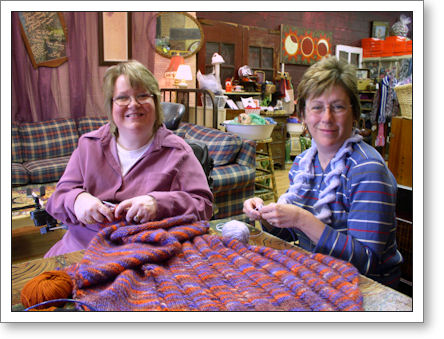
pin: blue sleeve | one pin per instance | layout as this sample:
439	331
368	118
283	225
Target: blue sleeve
369	241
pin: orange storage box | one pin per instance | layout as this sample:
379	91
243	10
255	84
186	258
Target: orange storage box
371	47
396	45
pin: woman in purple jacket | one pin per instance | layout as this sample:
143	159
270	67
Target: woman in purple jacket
134	162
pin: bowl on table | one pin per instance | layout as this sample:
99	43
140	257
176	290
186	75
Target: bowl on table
250	132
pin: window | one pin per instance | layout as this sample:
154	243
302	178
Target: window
349	54
261	59
239	45
226	50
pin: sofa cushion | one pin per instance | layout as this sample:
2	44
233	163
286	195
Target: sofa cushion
46	170
16	151
223	147
19	174
180	132
230	203
88	124
232	176
49	139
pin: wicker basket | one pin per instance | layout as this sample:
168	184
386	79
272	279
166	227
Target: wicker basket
404	94
252	110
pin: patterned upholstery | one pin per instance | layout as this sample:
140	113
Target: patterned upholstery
233	182
46	170
88	124
223	147
230	201
16	151
231	176
19	174
47	147
48	139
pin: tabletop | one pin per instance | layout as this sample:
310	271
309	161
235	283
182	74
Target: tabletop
376	297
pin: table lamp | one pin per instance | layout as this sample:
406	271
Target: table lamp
175	62
182	75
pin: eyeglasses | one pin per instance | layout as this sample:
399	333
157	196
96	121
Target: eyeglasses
336	108
125	100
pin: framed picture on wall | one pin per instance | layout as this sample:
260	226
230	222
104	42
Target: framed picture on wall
45	37
362	73
114	37
380	29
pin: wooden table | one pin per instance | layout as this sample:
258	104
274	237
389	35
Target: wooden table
19	199
377	297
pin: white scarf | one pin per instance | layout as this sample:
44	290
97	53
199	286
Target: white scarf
332	179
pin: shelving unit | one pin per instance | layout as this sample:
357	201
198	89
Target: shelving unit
378	66
279	136
265	181
234	93
233	113
366	98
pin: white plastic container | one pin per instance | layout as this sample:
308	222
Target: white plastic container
219	100
251	132
294	128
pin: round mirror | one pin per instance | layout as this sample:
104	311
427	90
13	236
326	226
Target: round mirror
177	33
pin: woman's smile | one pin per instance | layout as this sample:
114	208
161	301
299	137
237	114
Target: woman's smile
134	115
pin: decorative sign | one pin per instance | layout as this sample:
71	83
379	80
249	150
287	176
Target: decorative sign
44	34
304	46
115	32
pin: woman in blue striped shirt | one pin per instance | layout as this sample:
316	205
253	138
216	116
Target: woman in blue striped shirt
342	197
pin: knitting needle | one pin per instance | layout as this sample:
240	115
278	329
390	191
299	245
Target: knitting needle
109	204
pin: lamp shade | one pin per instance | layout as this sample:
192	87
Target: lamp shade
183	73
175	62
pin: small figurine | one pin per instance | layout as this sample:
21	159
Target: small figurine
244	119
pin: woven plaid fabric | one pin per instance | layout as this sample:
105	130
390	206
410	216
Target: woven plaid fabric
223	147
233	183
230	203
49	139
231	177
247	154
16	151
180	132
19	174
46	170
173	265
88	124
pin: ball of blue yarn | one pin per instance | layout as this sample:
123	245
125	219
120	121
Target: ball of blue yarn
235	229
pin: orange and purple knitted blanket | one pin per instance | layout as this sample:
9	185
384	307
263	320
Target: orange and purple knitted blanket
175	265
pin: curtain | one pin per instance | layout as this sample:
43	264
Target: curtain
74	89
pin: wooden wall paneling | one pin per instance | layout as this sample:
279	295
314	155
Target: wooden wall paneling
262	37
400	160
222	33
348	27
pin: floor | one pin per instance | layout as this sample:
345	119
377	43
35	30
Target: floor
28	244
282	181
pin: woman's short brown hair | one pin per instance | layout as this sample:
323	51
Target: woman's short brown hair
322	76
139	77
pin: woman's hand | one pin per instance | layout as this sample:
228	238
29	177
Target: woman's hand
252	207
140	209
287	216
90	210
282	215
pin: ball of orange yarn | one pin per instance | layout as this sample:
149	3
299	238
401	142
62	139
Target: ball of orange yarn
47	286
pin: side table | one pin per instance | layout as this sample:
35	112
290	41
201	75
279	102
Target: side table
265	181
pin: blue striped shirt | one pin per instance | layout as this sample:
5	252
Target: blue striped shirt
363	222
